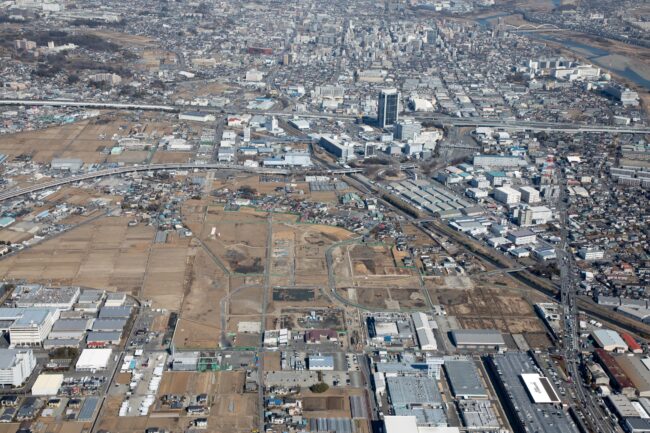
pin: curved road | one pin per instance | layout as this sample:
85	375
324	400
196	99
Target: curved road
7	195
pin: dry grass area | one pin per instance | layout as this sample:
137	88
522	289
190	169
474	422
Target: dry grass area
84	139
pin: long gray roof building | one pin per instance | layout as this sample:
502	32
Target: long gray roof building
524	414
464	379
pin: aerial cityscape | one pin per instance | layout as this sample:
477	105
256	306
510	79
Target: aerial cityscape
345	216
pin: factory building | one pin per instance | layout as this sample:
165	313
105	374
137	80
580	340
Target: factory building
62	298
197	116
609	340
93	360
522	237
66	164
478	338
464	379
426	340
321	363
16	365
529	399
498	161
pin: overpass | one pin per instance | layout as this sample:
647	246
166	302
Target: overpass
8	195
439	119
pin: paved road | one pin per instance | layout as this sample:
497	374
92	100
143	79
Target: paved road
439	119
6	195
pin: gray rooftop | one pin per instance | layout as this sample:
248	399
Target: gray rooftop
537	417
115	312
71	325
410	390
109	324
478	337
8	357
464	379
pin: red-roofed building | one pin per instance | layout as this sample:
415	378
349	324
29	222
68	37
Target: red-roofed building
318	335
618	379
631	343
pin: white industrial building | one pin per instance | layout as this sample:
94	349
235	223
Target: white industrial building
197	116
47	384
476	193
337	148
16	365
522	237
507	195
93	359
426	340
321	363
609	340
66	164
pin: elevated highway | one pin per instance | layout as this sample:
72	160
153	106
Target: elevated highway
7	195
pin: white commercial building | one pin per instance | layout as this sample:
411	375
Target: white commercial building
32	326
197	116
529	194
93	359
16	365
591	254
522	237
507	195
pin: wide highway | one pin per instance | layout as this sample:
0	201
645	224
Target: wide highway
7	195
441	120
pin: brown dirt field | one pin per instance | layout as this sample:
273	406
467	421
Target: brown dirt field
164	157
103	254
187	382
75	140
192	335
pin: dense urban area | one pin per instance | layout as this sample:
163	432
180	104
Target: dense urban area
396	216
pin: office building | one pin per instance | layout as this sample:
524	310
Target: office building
407	129
507	195
387	107
337	148
16	365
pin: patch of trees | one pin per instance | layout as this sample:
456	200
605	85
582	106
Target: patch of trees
319	388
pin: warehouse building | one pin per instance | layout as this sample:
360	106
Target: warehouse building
498	161
618	379
478	338
93	360
115	299
66	164
109	325
522	237
464	379
321	363
609	340
426	340
123	312
103	339
528	404
70	328
637	371
529	194
16	365
47	384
